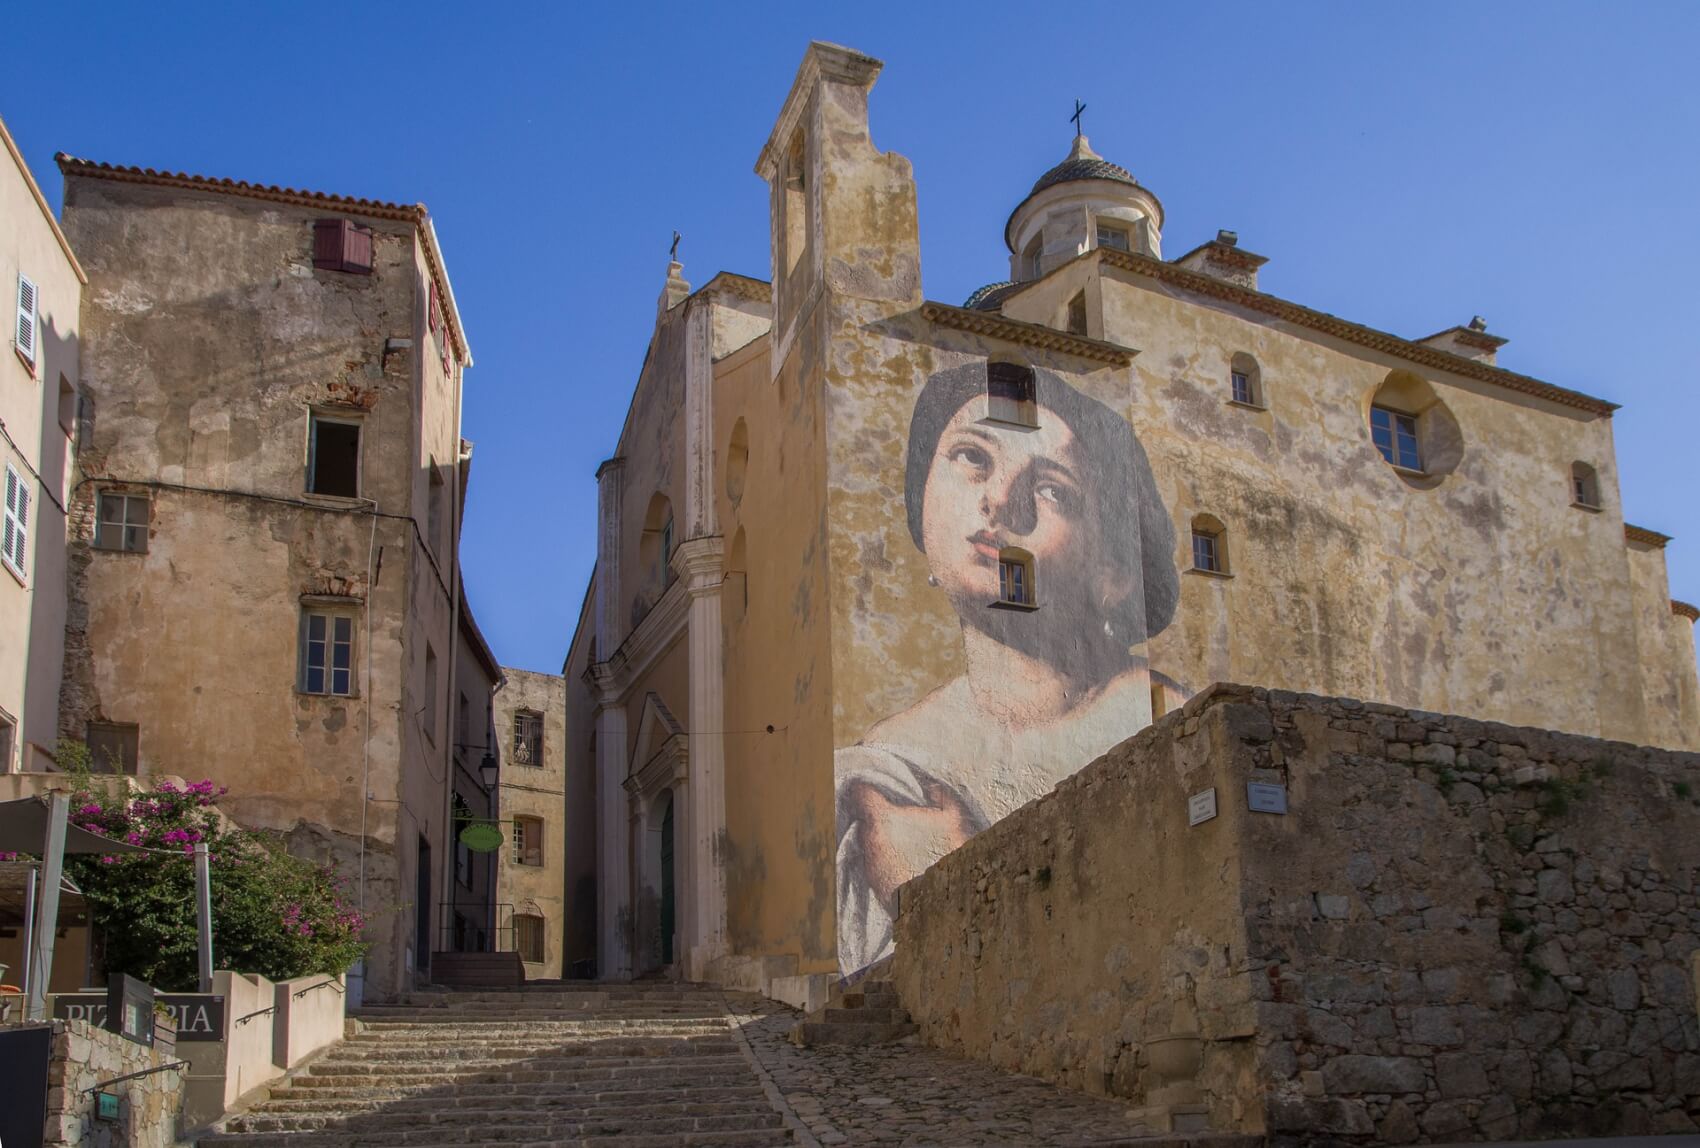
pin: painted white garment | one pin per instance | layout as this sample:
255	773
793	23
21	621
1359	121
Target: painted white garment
990	767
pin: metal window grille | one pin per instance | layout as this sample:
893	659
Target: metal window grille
328	659
121	523
528	738
528	936
1395	436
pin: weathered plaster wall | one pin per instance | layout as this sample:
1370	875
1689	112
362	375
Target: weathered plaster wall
1458	930
653	445
1665	639
1480	593
779	808
537	790
39	449
580	784
213	338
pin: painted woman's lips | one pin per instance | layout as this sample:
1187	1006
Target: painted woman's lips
986	544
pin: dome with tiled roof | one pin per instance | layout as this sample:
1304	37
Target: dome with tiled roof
1083	163
988	297
1083	202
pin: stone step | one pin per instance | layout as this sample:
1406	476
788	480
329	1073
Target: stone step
609	1105
381	1120
560	1083
878	987
865	1016
813	1032
562	1070
870	1000
383	1054
744	1138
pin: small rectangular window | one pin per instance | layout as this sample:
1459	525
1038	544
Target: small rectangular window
1115	238
1206	552
1011	394
528	738
1395	435
1242	387
121	522
342	245
463	725
8	741
112	746
27	330
333	457
528	841
327	652
1015	581
1077	314
434	508
14	542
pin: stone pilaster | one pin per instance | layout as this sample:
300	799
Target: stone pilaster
608	630
699	563
613	837
701	520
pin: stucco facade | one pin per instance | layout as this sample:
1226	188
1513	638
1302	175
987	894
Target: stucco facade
531	727
273	421
874	571
39	379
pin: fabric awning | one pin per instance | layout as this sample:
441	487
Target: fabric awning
23	829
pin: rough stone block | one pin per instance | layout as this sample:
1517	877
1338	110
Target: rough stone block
1357	1075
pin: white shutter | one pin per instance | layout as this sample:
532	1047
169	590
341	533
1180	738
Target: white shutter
17	516
28	299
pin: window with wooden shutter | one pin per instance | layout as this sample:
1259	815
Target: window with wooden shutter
341	245
435	314
14	536
27	332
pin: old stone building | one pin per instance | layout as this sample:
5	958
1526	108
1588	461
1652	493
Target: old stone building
38	430
263	580
874	570
531	726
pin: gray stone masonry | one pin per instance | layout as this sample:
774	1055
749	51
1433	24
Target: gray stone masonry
1458	931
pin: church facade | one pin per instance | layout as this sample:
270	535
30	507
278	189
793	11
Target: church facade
875	570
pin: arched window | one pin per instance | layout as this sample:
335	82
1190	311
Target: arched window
1030	258
1412	428
737	461
1011	394
1016	586
655	548
1245	381
1584	486
1209	545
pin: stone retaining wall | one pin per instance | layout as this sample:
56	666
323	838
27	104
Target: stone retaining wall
1458	930
84	1056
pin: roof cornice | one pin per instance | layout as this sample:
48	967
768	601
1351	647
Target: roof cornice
735	286
821	61
1644	536
41	202
1346	331
415	214
1029	334
1679	607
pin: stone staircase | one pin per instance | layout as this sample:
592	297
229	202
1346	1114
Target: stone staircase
870	1013
601	1066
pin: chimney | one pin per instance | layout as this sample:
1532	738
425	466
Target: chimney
1471	341
1221	258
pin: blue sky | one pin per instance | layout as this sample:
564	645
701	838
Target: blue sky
1404	166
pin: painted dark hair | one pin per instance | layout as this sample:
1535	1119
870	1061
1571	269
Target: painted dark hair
1129	512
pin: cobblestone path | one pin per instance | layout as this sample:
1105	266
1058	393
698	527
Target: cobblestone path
910	1095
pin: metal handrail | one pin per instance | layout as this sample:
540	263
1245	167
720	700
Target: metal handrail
295	996
134	1075
252	1015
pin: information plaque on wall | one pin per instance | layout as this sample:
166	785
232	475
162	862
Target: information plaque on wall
1261	797
1201	807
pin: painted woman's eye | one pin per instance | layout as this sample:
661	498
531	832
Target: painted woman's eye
973	457
1057	494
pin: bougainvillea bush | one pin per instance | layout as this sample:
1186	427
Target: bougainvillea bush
273	913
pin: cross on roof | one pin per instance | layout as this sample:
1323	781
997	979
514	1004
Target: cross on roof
673	251
1078	109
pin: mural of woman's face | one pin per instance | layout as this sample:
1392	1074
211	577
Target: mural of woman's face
992	487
